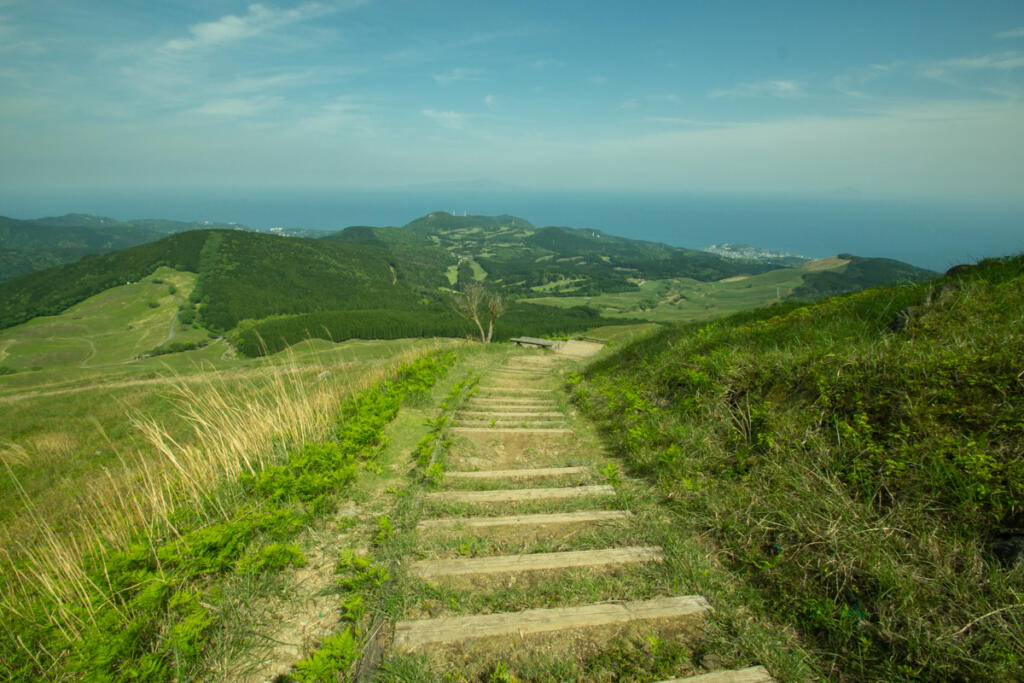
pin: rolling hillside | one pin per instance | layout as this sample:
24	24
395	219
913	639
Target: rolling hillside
858	462
273	290
520	258
30	245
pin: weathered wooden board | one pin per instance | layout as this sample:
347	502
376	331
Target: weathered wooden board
513	495
753	674
504	564
524	520
518	474
410	635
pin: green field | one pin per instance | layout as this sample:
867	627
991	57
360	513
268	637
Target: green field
683	299
78	384
109	328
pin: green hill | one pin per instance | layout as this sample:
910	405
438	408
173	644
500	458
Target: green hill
859	461
515	255
30	245
405	275
286	289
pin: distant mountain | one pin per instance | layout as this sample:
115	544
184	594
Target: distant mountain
752	253
29	245
513	253
387	281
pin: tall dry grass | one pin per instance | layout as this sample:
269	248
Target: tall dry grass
235	425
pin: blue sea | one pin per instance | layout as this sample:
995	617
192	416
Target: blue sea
932	236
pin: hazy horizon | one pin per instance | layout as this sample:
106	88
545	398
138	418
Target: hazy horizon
931	235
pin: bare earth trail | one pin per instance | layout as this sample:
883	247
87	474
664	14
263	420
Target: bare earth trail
525	518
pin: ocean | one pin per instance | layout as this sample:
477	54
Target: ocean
932	236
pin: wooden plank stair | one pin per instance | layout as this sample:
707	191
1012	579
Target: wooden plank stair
500	405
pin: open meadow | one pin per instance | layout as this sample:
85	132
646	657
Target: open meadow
90	428
685	299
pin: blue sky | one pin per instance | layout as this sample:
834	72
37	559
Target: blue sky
920	100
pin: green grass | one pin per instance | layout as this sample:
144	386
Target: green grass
64	428
142	608
479	274
857	480
623	334
106	329
683	299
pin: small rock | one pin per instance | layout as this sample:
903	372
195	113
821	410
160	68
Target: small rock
711	662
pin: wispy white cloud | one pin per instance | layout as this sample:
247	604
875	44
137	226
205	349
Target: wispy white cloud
1003	61
234	107
346	113
680	121
781	89
547	63
490	101
257	20
11	41
598	80
460	73
1012	33
265	83
449	119
650	101
856	81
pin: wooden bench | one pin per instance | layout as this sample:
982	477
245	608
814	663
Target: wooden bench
533	341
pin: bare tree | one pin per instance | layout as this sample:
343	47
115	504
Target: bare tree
470	302
495	307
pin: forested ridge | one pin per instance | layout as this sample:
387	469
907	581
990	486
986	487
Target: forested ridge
388	282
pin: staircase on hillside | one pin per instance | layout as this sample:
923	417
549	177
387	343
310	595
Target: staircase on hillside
519	457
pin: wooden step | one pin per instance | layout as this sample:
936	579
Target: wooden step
539	400
525	520
480	422
507	413
515	430
518	474
501	405
515	390
753	674
413	634
512	400
519	495
509	422
504	564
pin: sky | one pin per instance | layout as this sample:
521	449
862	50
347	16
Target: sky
906	100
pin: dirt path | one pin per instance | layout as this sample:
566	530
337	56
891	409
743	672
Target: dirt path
530	561
174	323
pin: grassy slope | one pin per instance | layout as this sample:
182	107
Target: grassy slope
66	407
30	245
683	299
865	482
111	327
135	629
